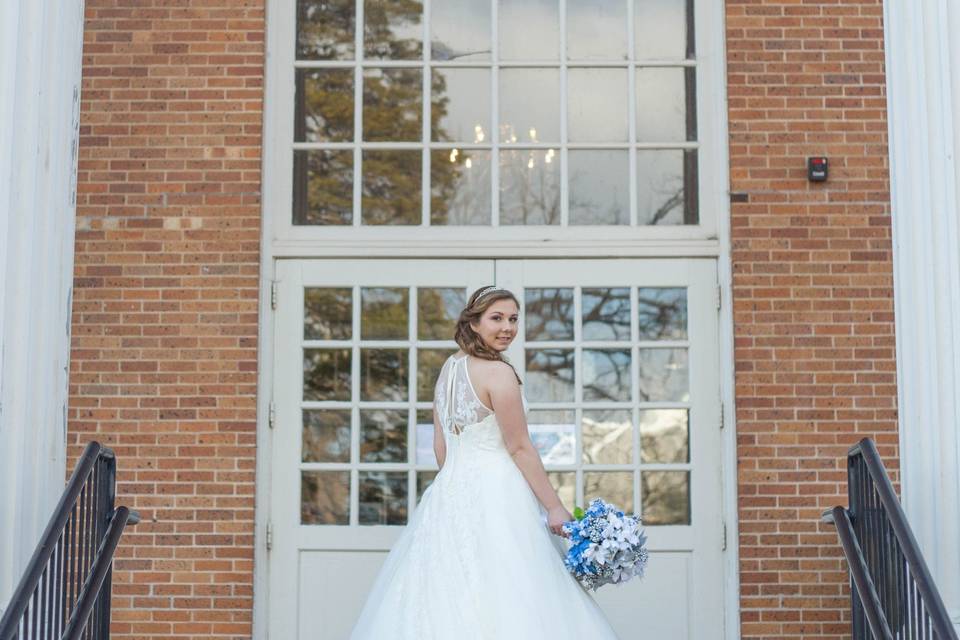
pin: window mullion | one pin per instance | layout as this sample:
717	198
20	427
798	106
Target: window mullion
494	115
564	163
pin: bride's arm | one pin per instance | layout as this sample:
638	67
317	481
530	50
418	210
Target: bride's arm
508	405
439	443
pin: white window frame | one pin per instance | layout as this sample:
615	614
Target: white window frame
714	194
488	240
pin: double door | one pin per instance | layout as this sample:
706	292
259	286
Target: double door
619	359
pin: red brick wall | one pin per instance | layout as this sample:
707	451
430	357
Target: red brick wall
813	294
163	364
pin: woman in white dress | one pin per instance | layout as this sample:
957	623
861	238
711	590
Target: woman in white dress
475	560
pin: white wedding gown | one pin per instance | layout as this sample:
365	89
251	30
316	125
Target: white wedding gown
476	560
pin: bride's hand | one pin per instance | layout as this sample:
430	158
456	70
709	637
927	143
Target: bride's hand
555	519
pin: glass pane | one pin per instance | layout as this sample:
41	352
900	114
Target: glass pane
383	435
663	29
460	105
325	497
554	434
666	104
529	105
424	453
597	30
424	480
606	314
662	313
529	29
437	312
599	186
383	374
459	30
429	363
384	313
597	105
393	30
391	187
326	436
327	313
326	374
667	187
664	435
663	375
325	29
383	497
529	186
565	482
607	437
606	374
549	314
322	187
666	497
323	105
392	105
616	487
460	186
549	375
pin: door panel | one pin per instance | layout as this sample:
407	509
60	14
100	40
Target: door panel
619	361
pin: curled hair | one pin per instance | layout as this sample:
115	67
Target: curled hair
469	340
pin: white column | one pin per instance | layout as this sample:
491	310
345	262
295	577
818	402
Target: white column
923	89
40	59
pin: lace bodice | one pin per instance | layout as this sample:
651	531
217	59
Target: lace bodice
456	400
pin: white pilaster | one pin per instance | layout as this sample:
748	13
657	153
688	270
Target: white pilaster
40	59
923	89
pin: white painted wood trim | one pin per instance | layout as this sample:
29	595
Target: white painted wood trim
923	89
40	63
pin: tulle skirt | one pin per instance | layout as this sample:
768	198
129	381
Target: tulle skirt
476	561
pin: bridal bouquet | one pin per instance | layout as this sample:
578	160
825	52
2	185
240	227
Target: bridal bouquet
607	546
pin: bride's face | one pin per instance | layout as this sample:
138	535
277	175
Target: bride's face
498	325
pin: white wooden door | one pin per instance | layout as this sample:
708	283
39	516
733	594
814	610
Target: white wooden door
619	359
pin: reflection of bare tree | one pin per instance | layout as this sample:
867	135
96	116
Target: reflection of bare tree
549	314
662	313
666	497
550	374
586	211
607	437
612	381
606	314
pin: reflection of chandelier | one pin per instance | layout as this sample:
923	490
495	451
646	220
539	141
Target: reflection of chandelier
478	134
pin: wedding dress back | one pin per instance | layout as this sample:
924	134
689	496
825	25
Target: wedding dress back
476	561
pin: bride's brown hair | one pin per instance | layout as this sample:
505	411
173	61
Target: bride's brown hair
469	340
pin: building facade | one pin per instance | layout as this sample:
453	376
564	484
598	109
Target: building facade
280	204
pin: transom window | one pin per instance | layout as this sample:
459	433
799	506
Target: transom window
501	112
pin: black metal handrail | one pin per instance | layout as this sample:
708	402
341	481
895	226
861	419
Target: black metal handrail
65	590
892	592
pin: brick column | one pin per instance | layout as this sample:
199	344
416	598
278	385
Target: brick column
164	352
812	288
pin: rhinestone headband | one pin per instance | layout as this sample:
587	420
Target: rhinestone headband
488	290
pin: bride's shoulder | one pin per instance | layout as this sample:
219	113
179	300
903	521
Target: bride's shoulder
493	372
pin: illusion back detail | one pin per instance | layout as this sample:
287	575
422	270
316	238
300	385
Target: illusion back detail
456	399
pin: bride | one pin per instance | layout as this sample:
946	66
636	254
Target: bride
475	560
